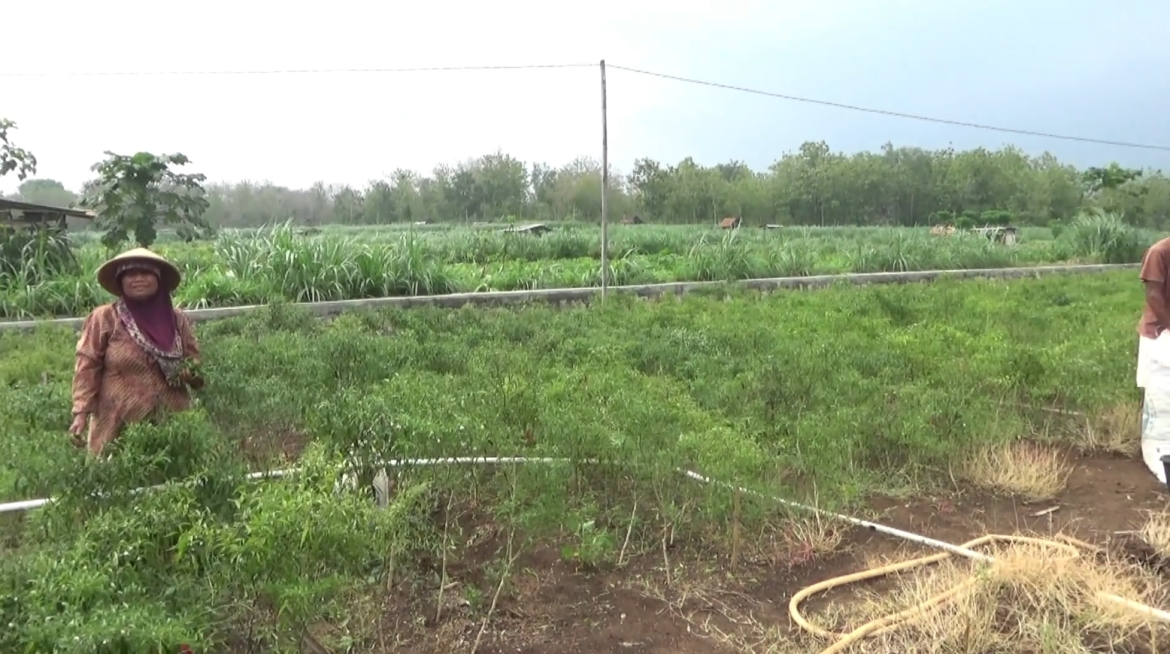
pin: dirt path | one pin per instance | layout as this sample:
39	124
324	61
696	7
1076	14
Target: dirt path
554	610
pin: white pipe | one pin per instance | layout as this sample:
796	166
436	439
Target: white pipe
29	505
892	531
24	505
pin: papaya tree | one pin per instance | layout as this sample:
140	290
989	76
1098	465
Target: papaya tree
134	195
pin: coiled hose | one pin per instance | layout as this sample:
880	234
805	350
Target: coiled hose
889	623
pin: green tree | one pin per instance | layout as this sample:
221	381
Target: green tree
13	158
134	195
651	184
48	192
1108	178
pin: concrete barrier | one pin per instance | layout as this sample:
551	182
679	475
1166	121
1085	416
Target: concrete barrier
566	295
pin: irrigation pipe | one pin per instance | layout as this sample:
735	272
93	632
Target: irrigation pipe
891	531
29	505
872	628
564	295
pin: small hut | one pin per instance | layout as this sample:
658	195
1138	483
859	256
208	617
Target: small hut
729	223
19	216
536	229
1003	235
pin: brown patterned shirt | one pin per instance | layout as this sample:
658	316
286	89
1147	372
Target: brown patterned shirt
114	380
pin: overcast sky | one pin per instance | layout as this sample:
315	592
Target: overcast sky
1077	67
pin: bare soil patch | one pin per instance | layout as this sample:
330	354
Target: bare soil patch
703	607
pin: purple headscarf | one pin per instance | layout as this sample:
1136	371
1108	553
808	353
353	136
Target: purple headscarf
155	316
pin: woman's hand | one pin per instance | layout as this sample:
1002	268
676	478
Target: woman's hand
77	429
191	378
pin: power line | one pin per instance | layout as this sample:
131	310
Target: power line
896	114
294	71
677	78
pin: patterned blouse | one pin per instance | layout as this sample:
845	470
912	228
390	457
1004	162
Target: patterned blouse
118	381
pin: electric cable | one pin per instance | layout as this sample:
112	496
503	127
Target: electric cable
884	112
292	71
628	69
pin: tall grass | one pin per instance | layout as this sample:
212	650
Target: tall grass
1104	237
32	256
282	262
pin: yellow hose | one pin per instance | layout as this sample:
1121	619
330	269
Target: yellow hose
890	622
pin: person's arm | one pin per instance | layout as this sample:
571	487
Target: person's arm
90	356
190	349
1159	303
1153	276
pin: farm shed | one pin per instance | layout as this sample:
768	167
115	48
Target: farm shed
1005	235
23	215
729	223
537	229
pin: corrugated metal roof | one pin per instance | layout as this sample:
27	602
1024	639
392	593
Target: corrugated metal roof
44	208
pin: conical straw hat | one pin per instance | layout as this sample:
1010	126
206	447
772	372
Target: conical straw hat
107	274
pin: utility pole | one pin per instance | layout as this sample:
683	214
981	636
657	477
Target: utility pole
604	190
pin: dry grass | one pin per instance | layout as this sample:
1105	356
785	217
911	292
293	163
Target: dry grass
1030	470
808	538
1156	533
1032	600
1118	429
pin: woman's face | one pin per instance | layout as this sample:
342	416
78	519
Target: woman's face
139	284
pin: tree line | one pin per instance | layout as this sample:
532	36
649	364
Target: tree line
812	186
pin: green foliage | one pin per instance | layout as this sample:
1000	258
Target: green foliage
33	256
855	389
196	561
13	158
814	185
1111	177
133	195
46	192
241	268
810	186
1106	238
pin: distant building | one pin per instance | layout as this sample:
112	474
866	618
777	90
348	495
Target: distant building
1005	235
536	229
23	215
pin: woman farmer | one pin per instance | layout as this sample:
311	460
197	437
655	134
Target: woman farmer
133	354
